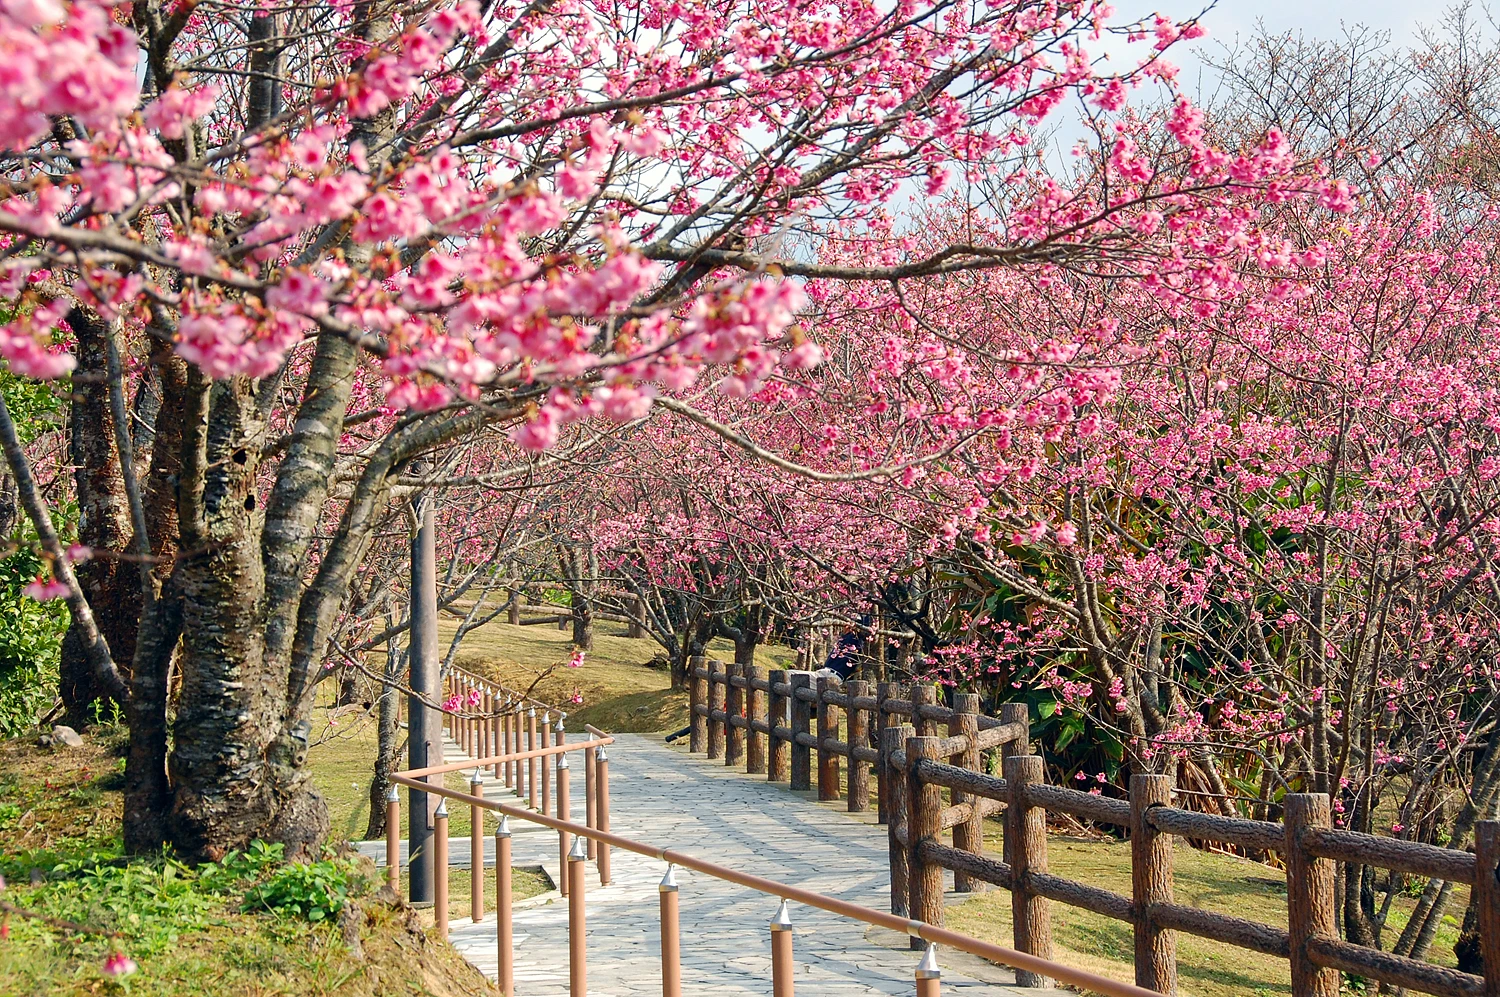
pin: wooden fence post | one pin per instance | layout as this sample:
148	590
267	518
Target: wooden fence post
969	835
1026	832
1487	900
924	810
801	724
716	700
1013	713
778	761
859	737
636	609
755	741
1151	884
923	694
697	696
828	730
893	740
513	611
1309	893
883	722
734	707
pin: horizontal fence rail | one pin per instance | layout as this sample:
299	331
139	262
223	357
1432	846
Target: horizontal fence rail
574	839
918	748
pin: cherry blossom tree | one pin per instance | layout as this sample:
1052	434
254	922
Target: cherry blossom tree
311	246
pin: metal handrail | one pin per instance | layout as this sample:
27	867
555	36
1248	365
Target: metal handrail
916	929
514	756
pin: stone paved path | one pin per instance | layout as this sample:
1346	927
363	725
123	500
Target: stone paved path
664	796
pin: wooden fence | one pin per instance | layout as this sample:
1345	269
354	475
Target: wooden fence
774	722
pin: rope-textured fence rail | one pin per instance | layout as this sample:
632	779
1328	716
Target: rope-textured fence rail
797	716
571	841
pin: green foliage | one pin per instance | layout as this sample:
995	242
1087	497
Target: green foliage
30	632
30	645
312	890
151	903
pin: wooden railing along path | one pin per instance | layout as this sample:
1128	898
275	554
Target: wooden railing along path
774	722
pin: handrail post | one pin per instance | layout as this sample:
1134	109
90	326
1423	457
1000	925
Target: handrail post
577	932
697	697
893	741
468	717
859	737
755	741
801	774
929	976
393	838
546	776
476	850
781	952
734	707
1151	884
671	947
520	742
1309	891
717	697
564	812
1026	829
505	724
828	730
969	835
531	763
440	869
924	808
778	759
497	725
487	724
601	777
1487	900
590	797
504	935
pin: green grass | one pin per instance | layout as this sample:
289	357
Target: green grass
342	758
185	928
621	694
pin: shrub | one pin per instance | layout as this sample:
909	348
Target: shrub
312	890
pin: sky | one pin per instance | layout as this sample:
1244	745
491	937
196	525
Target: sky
1322	18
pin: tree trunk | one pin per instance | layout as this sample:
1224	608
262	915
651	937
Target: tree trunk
111	586
583	622
234	777
388	738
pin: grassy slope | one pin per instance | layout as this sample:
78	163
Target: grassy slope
619	693
65	804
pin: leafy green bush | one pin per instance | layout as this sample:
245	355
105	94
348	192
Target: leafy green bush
314	890
150	903
30	632
30	645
